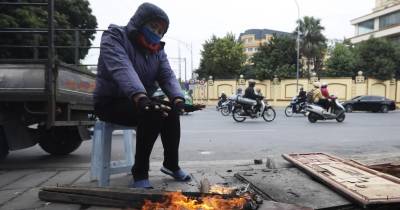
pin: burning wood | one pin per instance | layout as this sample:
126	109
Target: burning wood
151	199
221	198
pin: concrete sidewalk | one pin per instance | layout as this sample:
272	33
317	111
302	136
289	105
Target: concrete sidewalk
19	187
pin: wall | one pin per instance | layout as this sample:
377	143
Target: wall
279	92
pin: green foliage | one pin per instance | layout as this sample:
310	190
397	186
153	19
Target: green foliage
313	42
221	58
69	14
377	58
341	62
277	57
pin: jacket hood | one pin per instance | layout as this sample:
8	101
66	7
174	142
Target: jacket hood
145	13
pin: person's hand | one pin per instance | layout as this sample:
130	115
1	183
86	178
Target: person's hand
179	105
146	105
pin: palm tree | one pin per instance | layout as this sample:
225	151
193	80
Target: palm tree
313	43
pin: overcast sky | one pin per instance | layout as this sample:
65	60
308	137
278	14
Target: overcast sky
196	21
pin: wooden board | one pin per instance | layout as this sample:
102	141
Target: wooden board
128	198
352	179
290	185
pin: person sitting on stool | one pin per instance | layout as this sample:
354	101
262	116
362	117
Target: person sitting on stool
132	65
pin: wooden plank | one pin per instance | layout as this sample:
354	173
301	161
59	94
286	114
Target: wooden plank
113	197
352	179
292	186
128	198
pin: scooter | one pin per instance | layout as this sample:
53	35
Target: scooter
316	112
296	107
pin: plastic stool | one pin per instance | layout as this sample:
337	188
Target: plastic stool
101	165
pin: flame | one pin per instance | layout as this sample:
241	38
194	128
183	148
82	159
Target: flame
177	201
221	190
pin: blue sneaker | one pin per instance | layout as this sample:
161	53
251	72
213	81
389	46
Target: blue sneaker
178	175
144	183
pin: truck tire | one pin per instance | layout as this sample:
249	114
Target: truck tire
60	140
3	144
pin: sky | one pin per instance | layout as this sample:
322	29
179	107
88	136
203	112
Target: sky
192	22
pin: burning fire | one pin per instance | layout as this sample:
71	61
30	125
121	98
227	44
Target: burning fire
221	190
178	201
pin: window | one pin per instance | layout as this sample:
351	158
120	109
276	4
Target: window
389	20
366	27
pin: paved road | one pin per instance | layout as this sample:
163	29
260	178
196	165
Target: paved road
209	136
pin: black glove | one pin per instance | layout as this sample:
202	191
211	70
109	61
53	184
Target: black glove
179	107
147	105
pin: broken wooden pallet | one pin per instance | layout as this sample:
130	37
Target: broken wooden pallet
350	178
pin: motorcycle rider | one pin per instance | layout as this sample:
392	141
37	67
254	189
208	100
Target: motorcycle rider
222	99
301	99
325	93
250	93
302	95
317	96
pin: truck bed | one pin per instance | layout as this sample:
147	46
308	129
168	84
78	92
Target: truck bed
26	82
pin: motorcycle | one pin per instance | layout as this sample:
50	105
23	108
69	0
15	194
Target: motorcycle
220	103
227	106
247	108
316	112
296	107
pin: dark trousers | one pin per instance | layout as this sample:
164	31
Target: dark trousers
149	126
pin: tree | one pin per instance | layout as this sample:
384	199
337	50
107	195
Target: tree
221	58
277	57
377	58
313	43
69	14
341	62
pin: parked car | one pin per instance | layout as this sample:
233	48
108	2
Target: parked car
370	103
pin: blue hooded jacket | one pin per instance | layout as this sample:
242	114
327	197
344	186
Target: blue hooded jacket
125	68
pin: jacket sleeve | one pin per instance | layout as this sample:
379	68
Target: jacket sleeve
167	79
118	64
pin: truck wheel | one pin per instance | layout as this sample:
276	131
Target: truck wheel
60	140
3	144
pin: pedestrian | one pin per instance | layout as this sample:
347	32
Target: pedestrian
132	65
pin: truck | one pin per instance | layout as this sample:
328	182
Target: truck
43	100
56	116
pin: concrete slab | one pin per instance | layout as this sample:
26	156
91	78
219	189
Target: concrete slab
8	177
64	177
31	180
6	195
27	200
290	185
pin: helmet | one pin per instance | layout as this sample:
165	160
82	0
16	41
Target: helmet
317	84
252	82
324	85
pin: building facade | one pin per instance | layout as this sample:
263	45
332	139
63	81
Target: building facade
252	39
384	21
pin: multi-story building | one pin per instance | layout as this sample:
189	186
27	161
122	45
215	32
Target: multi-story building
384	21
253	38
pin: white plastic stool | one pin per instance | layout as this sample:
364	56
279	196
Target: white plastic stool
101	165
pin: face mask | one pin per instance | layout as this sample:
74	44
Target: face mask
150	36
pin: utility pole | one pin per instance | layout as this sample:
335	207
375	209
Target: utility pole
298	46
